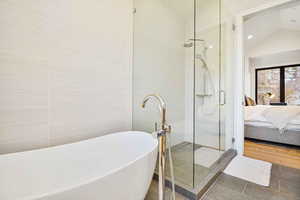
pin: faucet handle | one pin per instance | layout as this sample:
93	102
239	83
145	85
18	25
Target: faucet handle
169	128
165	127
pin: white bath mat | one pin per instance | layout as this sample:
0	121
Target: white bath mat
206	156
249	169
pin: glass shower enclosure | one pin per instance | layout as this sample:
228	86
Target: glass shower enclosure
179	53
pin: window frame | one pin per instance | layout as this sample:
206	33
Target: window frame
282	79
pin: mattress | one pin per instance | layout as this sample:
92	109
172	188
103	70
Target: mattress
292	127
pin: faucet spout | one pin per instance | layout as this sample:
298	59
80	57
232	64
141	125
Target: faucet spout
162	142
161	106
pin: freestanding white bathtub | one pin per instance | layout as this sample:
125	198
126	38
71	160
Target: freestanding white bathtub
113	167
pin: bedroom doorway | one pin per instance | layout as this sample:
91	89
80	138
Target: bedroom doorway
270	56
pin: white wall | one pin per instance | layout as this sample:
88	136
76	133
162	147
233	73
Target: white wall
159	65
277	59
282	43
65	71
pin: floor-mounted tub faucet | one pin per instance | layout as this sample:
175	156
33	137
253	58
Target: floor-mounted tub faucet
161	134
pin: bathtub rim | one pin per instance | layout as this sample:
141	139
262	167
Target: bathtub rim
93	179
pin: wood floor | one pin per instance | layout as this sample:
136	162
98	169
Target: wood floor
282	155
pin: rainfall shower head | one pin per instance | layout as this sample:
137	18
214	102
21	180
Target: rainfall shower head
197	40
188	45
190	42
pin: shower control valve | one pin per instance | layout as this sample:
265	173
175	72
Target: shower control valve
161	133
169	128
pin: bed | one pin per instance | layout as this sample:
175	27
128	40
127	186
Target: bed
280	124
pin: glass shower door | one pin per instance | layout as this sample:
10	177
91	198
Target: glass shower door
159	67
209	93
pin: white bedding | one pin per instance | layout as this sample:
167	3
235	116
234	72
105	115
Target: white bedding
280	117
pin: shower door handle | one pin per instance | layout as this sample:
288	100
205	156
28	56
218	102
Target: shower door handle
222	97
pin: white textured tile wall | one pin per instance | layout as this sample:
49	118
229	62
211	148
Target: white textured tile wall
65	72
159	65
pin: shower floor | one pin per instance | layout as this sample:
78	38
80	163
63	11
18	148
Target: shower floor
183	165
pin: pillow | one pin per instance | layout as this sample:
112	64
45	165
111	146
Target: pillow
249	101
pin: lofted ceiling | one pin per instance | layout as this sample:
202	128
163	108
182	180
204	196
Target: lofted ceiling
290	18
264	24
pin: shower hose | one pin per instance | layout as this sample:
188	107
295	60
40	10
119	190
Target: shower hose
170	160
171	165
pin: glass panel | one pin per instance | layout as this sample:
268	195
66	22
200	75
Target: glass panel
160	63
268	86
292	85
208	87
186	66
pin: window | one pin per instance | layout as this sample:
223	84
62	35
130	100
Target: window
292	85
278	85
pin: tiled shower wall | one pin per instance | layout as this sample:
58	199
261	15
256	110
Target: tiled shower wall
64	71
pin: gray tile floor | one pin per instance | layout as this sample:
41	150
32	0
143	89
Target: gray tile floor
285	185
183	165
153	194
